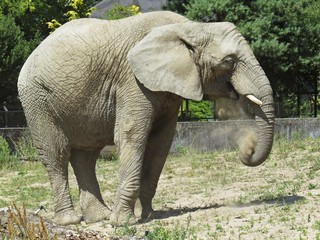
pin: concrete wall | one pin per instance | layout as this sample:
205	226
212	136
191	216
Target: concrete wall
208	136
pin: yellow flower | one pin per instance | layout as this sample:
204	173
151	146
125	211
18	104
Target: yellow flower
75	4
53	25
134	9
72	15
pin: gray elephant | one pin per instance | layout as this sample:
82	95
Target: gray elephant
95	82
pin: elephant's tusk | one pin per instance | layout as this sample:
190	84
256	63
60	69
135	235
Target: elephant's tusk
254	99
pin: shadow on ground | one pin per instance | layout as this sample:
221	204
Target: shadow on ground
280	201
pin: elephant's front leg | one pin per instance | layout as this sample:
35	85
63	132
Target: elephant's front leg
159	143
133	134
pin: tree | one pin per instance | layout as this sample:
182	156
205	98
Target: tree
23	24
31	16
178	6
75	9
192	110
14	49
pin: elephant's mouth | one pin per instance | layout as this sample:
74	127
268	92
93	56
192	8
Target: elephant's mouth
232	92
227	92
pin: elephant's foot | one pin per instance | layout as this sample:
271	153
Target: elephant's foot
145	212
67	217
122	217
93	208
147	215
96	214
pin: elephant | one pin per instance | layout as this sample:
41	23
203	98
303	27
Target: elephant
95	82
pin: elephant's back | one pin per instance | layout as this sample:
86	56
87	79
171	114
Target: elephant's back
89	39
156	18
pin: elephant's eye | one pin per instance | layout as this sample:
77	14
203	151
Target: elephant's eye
228	63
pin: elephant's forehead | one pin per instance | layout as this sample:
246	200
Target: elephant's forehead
231	40
225	48
229	47
226	40
235	46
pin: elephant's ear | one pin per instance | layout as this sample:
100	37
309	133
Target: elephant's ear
164	61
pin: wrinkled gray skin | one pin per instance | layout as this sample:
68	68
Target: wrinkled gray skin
96	82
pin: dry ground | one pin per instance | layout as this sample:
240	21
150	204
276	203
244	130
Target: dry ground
201	196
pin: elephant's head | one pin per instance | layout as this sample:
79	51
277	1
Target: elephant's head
207	61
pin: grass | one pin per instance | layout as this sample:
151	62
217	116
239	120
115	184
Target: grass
178	232
200	195
25	149
6	159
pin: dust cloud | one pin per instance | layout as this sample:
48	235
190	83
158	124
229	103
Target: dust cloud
247	140
245	136
226	109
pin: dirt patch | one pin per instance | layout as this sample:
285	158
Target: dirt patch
214	196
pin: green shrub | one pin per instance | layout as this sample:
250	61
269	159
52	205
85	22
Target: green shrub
6	160
197	110
25	150
118	11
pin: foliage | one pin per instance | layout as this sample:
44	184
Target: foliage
32	16
22	27
6	159
196	110
12	44
25	150
79	9
284	35
118	11
178	6
14	49
4	151
53	25
76	9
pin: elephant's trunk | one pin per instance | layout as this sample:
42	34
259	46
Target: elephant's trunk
265	124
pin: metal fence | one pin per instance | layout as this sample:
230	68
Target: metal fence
12	117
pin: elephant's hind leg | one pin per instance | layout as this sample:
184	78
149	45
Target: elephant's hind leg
92	205
54	152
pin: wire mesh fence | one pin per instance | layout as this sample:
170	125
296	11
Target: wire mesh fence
293	106
12	117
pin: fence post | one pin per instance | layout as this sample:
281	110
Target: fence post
5	115
315	114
